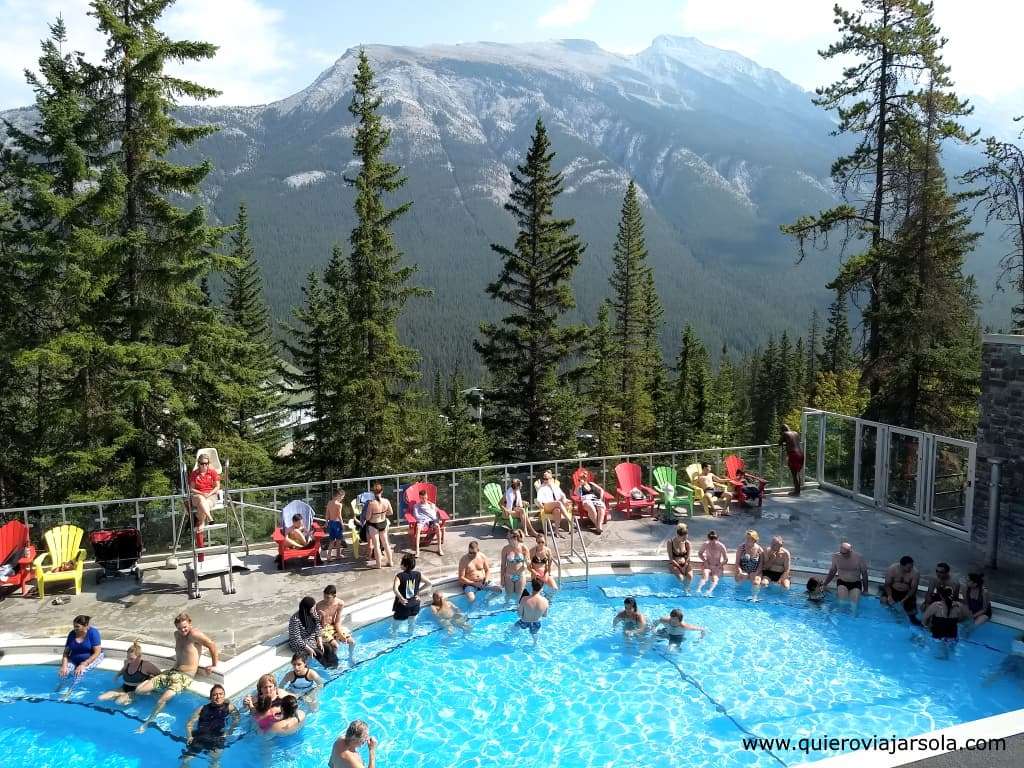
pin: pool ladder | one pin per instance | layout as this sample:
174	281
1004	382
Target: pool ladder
575	539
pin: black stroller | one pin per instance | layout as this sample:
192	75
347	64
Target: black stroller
117	553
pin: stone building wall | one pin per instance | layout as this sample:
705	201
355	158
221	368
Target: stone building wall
1001	435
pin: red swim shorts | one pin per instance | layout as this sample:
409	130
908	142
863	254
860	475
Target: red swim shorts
796	461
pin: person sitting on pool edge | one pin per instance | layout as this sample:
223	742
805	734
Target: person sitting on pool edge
900	587
633	622
777	562
83	650
207	730
679	556
850	570
474	573
447	615
713	558
674	629
332	632
134	671
943	578
532	608
977	601
749	562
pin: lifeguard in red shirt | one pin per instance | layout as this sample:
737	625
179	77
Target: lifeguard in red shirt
204	484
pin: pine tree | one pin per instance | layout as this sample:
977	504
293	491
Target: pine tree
460	441
892	42
837	343
785	386
601	388
765	399
930	356
656	386
527	353
811	361
723	424
628	283
378	365
690	398
310	345
156	305
799	376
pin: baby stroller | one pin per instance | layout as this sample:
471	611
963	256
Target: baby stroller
117	553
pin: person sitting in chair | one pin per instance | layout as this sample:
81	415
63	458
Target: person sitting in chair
428	519
204	487
512	505
713	487
296	536
553	501
592	500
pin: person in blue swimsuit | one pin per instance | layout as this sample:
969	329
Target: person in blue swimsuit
634	625
335	528
303	681
207	730
83	649
514	559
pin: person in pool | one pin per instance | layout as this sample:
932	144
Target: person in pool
345	752
335	526
634	625
943	616
302	680
679	556
750	562
815	591
262	704
474	573
514	559
288	718
777	562
447	615
532	608
713	557
943	578
134	671
541	559
406	587
900	587
674	629
83	650
850	570
207	730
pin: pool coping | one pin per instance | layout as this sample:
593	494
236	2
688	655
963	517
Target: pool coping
241	671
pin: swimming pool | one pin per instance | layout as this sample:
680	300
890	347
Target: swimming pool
779	667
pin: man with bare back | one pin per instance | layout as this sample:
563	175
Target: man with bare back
900	587
188	645
474	573
850	570
794	455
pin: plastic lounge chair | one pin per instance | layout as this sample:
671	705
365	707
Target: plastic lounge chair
672	495
412	497
311	550
214	457
543	514
577	501
355	523
18	553
629	478
64	559
734	467
494	498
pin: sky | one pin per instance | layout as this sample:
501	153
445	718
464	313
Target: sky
270	49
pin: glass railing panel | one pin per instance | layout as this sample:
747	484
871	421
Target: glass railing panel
840	435
811	438
949	492
868	452
904	449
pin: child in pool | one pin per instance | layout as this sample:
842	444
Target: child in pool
673	628
815	591
303	681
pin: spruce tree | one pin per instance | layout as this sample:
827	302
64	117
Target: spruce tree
528	353
891	42
156	305
628	283
459	441
379	366
765	399
811	361
723	421
656	384
785	386
837	343
602	388
691	392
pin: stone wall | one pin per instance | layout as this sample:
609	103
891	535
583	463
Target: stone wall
1001	435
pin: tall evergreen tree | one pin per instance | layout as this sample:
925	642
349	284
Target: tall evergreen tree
528	351
891	42
601	388
691	392
460	440
811	361
379	365
156	305
785	385
837	343
656	375
628	283
723	420
799	378
765	399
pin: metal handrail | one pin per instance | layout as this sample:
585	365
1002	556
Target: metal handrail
575	529
549	531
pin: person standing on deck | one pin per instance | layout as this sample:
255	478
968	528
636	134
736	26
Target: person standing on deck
794	455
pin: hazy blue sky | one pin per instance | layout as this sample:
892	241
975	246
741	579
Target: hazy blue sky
272	48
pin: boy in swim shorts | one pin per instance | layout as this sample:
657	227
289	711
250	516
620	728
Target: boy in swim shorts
532	608
333	632
335	528
673	628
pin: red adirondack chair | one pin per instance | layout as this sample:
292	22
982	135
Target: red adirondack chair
734	470
14	539
412	498
311	550
577	502
629	478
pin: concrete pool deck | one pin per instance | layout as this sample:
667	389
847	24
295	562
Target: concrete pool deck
812	526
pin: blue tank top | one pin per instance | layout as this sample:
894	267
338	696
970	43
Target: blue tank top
80	650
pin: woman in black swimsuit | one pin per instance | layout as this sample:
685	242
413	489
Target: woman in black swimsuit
976	598
135	670
377	512
679	556
943	615
540	564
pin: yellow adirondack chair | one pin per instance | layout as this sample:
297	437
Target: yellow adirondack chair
64	559
692	473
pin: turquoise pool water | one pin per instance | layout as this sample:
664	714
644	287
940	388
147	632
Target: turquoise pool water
581	699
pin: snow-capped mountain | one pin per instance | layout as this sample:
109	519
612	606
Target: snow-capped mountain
723	150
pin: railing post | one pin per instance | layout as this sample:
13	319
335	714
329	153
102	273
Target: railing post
241	505
760	461
479	491
453	485
138	516
994	493
531	484
99	508
174	526
274	504
63	514
306	486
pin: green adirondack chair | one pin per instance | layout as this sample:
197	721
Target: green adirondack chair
672	494
494	496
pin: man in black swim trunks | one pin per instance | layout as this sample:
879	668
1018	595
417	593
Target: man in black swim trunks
900	587
850	570
207	730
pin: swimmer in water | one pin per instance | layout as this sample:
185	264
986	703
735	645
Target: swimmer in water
634	625
447	615
674	629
